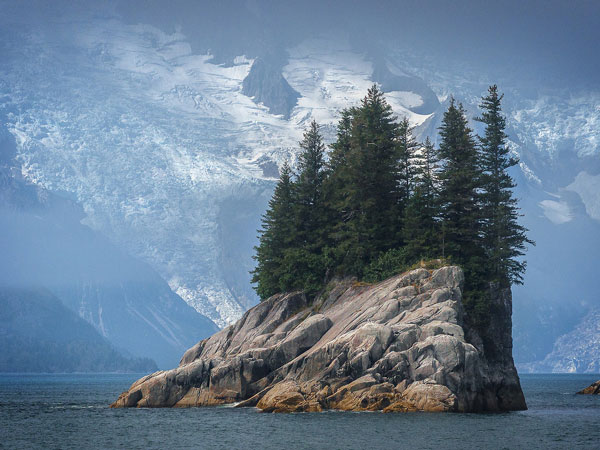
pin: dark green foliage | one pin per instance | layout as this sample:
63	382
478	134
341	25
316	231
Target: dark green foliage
460	207
308	191
503	238
384	203
421	227
290	253
338	179
304	266
365	184
407	153
302	270
338	158
459	178
389	263
277	235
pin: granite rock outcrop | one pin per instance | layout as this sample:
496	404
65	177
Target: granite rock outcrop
593	389
400	345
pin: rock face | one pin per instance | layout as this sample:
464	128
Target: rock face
574	352
265	84
400	345
594	389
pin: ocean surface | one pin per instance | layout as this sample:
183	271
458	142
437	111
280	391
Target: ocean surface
71	411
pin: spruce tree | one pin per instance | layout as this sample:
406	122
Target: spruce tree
303	263
338	157
421	216
275	238
366	177
460	209
308	188
504	238
427	173
379	203
336	201
407	148
460	180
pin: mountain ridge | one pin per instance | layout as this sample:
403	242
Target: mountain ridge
39	334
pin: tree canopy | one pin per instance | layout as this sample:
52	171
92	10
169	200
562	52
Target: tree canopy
380	201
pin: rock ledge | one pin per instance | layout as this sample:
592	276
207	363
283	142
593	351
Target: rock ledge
593	389
398	345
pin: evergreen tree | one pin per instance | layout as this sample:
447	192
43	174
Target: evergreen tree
336	201
421	217
365	175
381	202
407	148
459	177
275	238
308	189
427	169
338	157
460	210
303	263
503	238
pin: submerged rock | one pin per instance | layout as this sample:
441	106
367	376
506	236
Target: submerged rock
399	345
594	389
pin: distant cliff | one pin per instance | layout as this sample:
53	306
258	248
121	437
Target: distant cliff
399	345
575	352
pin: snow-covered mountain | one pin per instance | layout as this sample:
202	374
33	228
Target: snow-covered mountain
161	146
172	146
72	301
574	352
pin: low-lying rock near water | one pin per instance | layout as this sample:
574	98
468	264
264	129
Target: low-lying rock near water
399	345
594	389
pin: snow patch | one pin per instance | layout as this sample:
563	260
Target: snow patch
588	188
551	123
331	77
557	212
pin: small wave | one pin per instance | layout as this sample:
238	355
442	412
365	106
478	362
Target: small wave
77	407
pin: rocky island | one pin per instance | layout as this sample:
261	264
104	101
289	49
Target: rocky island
377	204
403	344
593	389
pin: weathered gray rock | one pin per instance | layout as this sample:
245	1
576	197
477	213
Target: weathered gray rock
593	389
399	345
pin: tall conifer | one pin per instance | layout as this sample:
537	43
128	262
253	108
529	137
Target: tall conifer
460	210
303	265
459	177
407	153
309	188
367	207
421	217
380	202
503	238
275	237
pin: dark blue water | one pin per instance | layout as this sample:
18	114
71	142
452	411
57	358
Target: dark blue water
71	411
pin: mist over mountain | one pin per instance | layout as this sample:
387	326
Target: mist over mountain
70	300
166	122
39	334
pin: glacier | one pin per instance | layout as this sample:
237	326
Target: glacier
155	141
